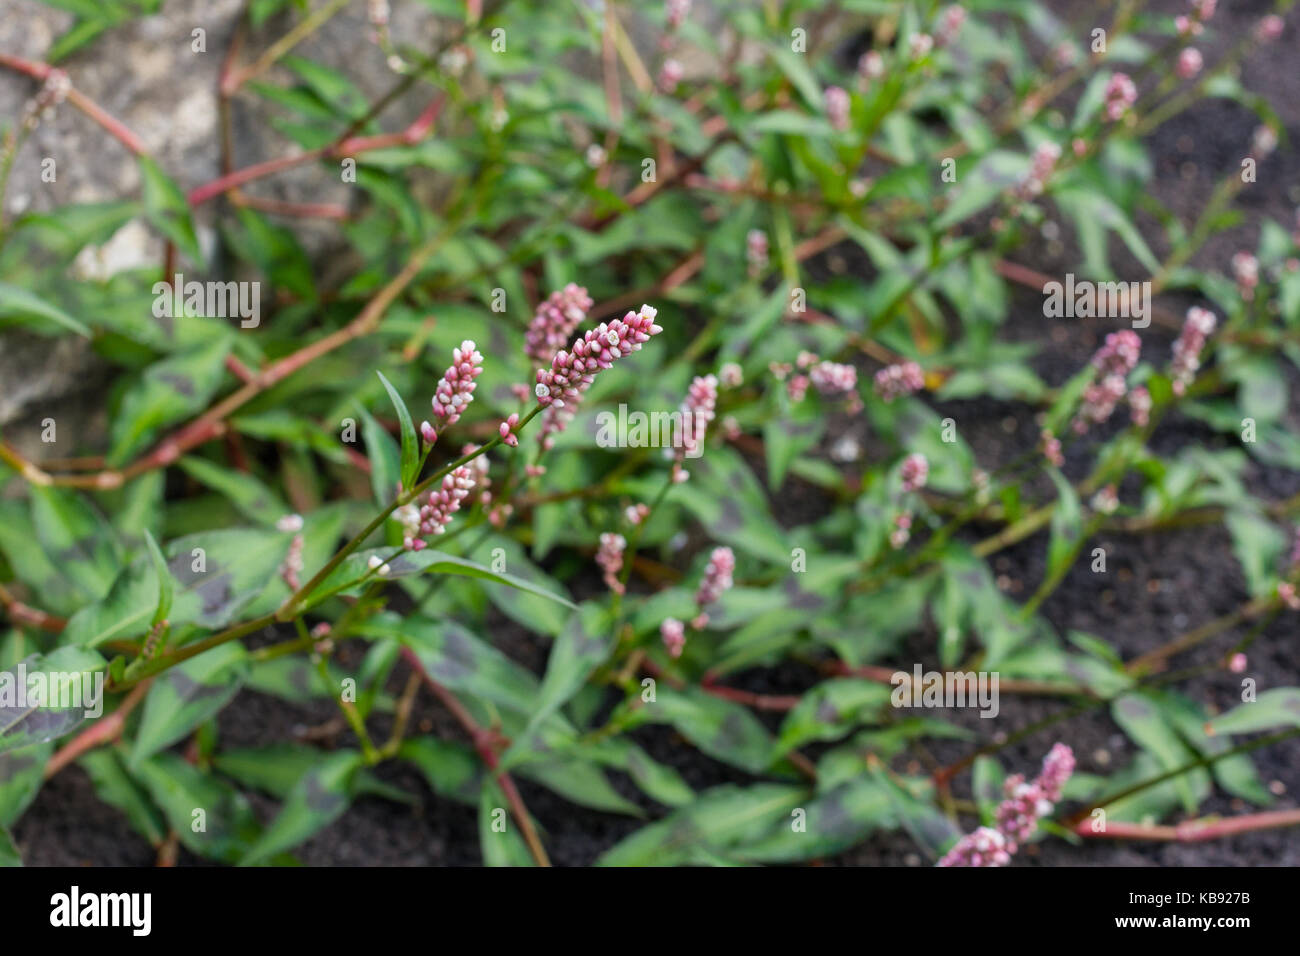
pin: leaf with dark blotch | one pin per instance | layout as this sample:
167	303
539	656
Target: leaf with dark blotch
829	711
77	540
830	823
451	769
21	773
167	392
184	696
1272	709
43	698
210	817
721	728
116	787
582	646
316	800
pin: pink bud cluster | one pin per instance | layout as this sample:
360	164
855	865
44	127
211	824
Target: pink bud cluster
1139	403
717	578
1262	142
572	372
292	566
1016	818
1121	94
731	375
1187	349
1245	268
1269	28
435	514
920	45
698	409
837	107
894	381
670	74
610	558
833	378
554	322
950	23
1189	62
915	472
1051	446
673	633
1114	360
1040	171
677	11
756	251
456	389
871	66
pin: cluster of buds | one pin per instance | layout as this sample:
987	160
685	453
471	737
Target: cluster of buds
456	388
1262	142
1106	500
871	66
433	516
1121	94
292	567
1139	404
636	513
730	375
895	381
698	409
676	12
1187	349
572	372
756	251
610	558
673	633
833	378
837	107
920	45
950	23
507	431
717	579
1189	62
55	90
1040	171
902	531
291	523
670	74
914	472
1017	816
554	322
1245	269
1269	28
1051	446
1113	361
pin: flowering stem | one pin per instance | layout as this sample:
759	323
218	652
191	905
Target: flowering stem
1192	831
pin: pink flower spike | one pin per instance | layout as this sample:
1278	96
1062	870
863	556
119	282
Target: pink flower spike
1189	62
610	558
1121	94
895	381
1187	349
428	434
456	389
673	633
915	472
837	107
1270	28
717	578
554	322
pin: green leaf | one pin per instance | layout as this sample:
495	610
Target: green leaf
385	460
356	566
167	392
209	816
1279	707
21	774
832	822
44	697
410	441
1141	717
167	210
78	541
166	586
316	801
829	711
721	728
16	301
499	835
451	769
247	493
186	695
1067	525
582	646
1258	544
8	851
116	787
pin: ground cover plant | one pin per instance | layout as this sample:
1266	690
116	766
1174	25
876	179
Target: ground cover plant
632	417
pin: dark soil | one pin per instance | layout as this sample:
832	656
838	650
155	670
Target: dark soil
1157	587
